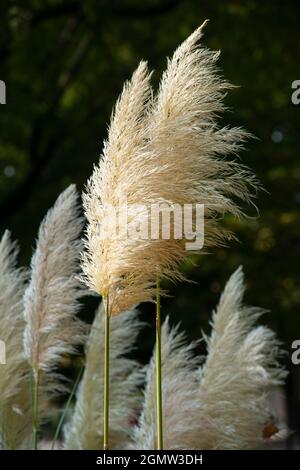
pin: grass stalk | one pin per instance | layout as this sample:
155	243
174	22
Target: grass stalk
106	377
35	420
159	419
66	408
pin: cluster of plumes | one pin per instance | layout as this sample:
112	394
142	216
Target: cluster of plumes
163	148
167	149
223	403
38	320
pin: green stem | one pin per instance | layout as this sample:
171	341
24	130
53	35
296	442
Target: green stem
106	376
158	371
66	408
35	423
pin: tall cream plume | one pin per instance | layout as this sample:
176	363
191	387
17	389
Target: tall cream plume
240	370
84	431
15	415
163	149
225	403
108	260
51	298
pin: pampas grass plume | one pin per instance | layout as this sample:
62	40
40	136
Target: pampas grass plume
240	371
162	149
15	417
51	298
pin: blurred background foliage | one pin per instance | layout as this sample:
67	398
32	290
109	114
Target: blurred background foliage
64	63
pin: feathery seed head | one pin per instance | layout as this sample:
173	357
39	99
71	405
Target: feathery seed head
240	370
51	298
168	149
15	416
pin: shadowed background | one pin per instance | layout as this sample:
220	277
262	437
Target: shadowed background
64	64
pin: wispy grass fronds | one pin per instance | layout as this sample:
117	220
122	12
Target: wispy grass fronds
179	395
51	299
240	370
12	286
15	416
84	431
167	148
